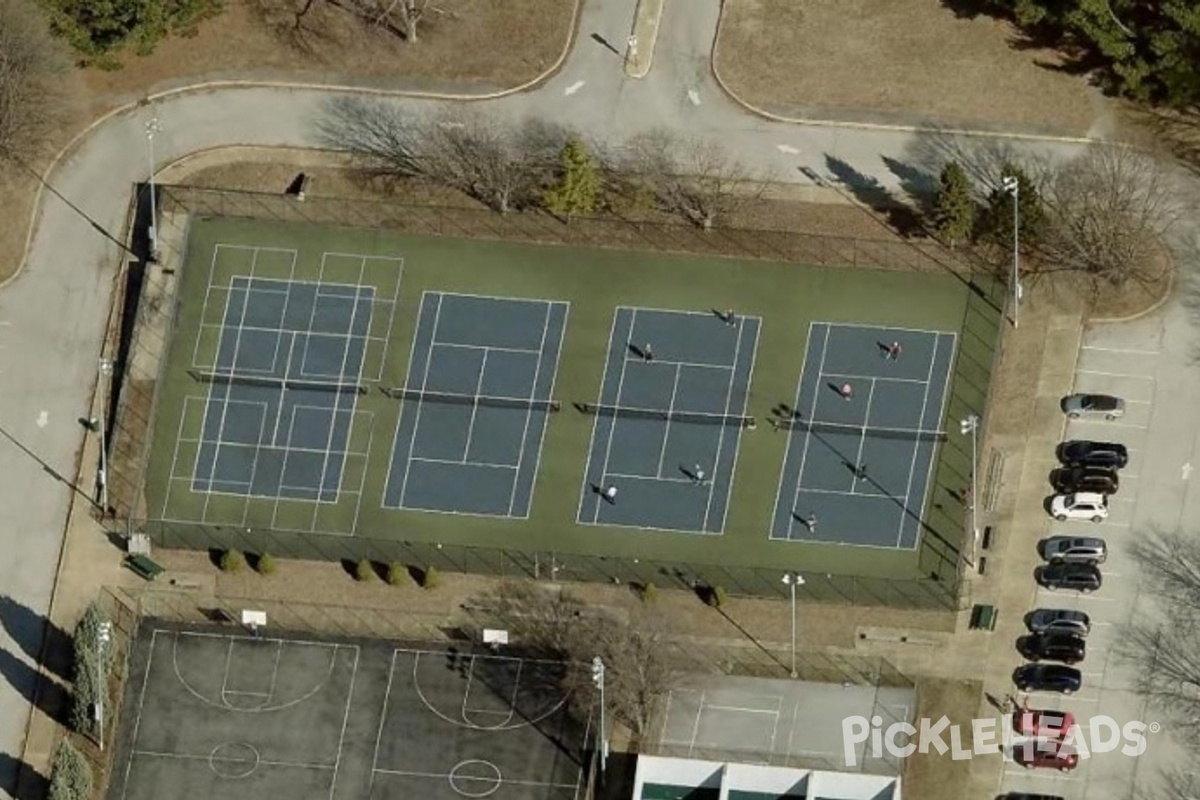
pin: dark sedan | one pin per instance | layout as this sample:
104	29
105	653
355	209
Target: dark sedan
1082	453
1066	575
1048	678
1085	479
1064	647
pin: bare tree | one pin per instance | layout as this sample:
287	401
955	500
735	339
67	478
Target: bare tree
32	65
695	178
636	672
1108	212
384	141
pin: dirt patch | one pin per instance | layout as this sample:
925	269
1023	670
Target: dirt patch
902	62
934	776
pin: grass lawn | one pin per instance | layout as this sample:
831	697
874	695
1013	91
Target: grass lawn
594	282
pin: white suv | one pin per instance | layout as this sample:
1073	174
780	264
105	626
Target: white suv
1080	505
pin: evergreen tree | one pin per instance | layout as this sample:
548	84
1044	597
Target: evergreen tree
954	208
577	188
1031	212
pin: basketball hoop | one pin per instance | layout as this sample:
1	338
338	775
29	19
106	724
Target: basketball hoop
253	620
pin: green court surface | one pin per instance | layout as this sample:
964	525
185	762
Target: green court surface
339	504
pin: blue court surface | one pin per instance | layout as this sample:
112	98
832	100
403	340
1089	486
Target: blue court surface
475	406
863	434
284	387
669	419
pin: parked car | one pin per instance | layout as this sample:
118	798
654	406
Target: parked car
1061	620
1080	577
1085	479
1065	647
1037	722
1080	505
1075	549
1048	678
1093	405
1083	453
1047	755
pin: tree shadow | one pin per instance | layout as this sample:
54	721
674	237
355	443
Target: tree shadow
920	185
21	781
42	691
39	638
904	219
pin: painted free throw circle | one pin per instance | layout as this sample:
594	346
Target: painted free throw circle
475	778
233	760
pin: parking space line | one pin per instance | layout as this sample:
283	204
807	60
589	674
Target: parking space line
1115	374
1045	773
1110	423
1134	351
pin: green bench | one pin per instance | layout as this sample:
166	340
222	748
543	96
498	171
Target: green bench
983	618
144	567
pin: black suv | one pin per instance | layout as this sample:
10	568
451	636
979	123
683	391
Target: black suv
1065	647
1085	479
1048	678
1081	577
1081	453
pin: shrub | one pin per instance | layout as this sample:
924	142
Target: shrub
85	692
266	564
231	561
364	570
397	574
649	593
70	774
432	578
716	596
98	29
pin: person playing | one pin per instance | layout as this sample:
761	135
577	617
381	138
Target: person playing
893	351
610	494
811	523
648	352
729	318
847	392
698	475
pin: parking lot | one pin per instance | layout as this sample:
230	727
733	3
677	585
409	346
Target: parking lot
1131	361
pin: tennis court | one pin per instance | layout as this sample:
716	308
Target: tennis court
863	432
475	406
671	413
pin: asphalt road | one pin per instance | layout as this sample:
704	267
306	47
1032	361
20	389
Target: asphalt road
52	316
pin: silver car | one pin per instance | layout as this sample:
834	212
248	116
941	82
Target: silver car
1093	405
1061	620
1074	549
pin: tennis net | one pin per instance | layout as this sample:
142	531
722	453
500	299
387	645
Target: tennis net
693	417
858	430
276	382
522	403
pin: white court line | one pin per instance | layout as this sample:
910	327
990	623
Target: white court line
458	463
562	333
662	451
412	443
1101	349
208	758
648	477
501	782
613	426
696	724
585	490
387	693
845	493
807	433
712	484
141	704
787	450
912	467
745	407
475	407
464	346
529	412
667	362
862	438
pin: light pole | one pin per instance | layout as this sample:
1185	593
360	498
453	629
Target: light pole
793	579
105	372
152	127
598	680
970	425
103	635
1013	187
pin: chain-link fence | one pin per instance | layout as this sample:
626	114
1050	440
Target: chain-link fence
934	583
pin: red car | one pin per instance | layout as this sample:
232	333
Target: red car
1040	722
1048	754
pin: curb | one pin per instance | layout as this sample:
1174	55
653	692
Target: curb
645	32
871	126
1172	276
70	147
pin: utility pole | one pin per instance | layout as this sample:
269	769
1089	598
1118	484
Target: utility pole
1013	187
793	579
103	636
598	680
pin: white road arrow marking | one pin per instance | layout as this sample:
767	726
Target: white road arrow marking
573	88
694	96
43	419
1187	470
787	148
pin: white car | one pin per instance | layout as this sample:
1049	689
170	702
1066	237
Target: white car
1080	505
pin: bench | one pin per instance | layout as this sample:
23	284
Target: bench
143	566
983	618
